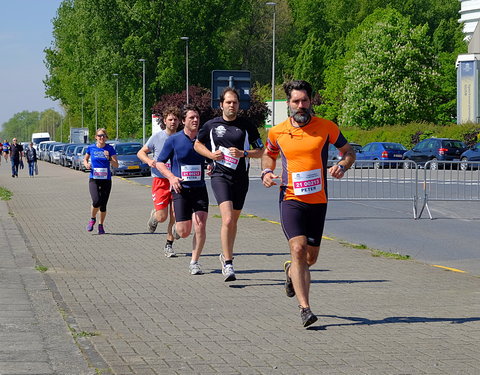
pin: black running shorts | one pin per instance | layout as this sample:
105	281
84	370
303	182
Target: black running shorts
303	219
235	190
188	201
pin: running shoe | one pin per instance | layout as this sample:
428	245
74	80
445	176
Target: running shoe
152	222
175	234
307	316
90	225
195	269
100	229
227	270
169	252
288	281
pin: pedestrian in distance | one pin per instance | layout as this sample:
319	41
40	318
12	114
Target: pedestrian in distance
161	194
187	182
229	140
99	157
5	149
31	155
302	141
1	152
16	156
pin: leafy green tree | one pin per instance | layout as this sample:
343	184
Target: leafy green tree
390	76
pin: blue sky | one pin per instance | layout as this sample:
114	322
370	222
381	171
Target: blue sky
25	31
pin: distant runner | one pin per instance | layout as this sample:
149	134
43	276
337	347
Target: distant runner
161	195
99	157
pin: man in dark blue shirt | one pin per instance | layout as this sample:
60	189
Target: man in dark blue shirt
187	181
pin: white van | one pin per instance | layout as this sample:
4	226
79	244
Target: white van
40	137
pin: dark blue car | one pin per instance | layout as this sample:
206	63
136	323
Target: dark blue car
472	154
382	154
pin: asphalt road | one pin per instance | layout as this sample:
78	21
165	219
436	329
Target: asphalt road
449	240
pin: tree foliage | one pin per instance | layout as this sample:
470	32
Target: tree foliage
316	40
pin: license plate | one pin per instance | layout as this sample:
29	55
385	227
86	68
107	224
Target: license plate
133	167
397	156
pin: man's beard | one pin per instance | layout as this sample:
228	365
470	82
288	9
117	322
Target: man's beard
302	116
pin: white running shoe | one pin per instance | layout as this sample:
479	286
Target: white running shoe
227	270
169	252
195	269
152	222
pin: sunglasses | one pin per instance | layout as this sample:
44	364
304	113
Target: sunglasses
102	135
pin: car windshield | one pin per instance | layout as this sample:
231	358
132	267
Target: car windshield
394	146
127	149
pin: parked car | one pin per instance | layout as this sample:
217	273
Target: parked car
472	154
48	151
67	154
435	150
356	146
128	161
77	159
383	154
334	154
56	152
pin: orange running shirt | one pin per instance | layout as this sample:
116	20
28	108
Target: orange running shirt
304	154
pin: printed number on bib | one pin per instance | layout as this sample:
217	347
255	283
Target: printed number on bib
100	173
307	182
191	172
228	160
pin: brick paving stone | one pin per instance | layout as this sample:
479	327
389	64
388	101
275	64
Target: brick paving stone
376	315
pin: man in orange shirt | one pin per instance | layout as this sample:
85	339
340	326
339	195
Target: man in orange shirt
302	141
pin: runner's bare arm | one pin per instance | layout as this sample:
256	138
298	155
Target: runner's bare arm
268	164
348	158
204	151
143	156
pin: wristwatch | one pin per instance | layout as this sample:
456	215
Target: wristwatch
245	153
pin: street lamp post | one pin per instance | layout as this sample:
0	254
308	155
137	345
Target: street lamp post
81	95
116	136
186	39
143	101
96	112
273	62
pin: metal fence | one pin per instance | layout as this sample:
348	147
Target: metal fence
373	180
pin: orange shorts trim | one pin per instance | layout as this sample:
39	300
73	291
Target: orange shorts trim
161	193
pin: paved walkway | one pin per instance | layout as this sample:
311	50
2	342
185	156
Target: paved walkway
114	304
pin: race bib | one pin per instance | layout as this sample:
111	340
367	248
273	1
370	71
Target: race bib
308	182
100	173
228	160
191	172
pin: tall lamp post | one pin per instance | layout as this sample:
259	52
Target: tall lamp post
273	62
116	136
186	39
81	95
143	101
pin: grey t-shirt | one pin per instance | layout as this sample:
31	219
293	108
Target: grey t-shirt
155	144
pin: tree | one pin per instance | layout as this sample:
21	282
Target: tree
390	75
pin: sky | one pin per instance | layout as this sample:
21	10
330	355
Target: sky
25	31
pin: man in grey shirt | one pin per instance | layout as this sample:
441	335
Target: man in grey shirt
161	194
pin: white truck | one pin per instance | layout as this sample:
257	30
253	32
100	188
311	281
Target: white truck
78	135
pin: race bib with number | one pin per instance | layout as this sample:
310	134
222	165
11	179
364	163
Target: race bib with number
100	173
308	182
228	160
191	172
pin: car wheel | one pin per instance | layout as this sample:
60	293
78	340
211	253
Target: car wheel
406	164
377	164
434	164
464	164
